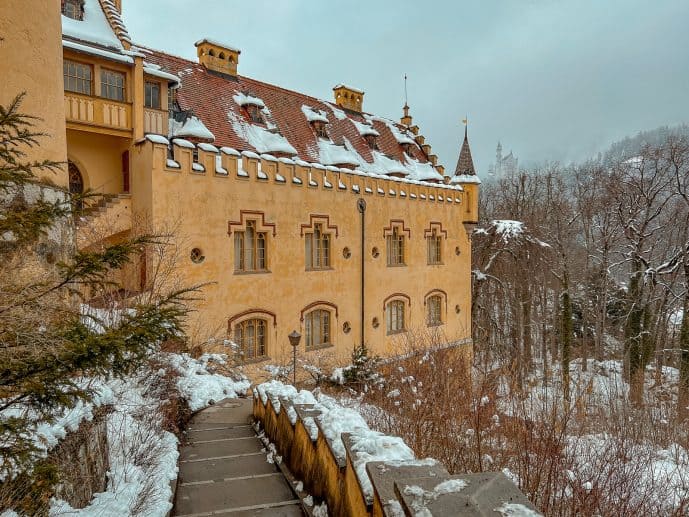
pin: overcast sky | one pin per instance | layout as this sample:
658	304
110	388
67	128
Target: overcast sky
551	79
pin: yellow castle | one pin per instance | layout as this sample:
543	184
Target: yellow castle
302	214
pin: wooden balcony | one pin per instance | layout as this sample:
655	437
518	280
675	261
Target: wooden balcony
155	121
98	114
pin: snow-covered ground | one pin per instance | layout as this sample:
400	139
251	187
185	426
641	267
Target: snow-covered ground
143	456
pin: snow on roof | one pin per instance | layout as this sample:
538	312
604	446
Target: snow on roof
339	114
192	127
286	128
331	154
365	129
95	51
94	28
261	139
400	135
422	171
218	44
314	115
465	178
155	71
244	99
357	90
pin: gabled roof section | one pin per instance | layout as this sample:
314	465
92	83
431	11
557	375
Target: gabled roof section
287	122
101	26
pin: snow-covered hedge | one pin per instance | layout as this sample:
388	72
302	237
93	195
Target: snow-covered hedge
142	455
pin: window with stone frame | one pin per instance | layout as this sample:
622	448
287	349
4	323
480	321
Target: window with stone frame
255	114
317	246
78	77
395	247
250	336
434	315
394	316
112	85
152	95
73	9
317	328
319	127
434	245
250	249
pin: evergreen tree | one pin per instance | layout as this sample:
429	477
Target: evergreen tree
47	347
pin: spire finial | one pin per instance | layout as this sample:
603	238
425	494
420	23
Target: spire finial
465	121
406	119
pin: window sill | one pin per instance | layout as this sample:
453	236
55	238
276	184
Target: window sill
319	347
435	324
397	265
256	360
436	264
319	269
261	272
393	332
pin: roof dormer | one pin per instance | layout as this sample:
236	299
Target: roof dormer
349	98
218	57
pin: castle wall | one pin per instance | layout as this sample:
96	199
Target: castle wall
204	206
31	57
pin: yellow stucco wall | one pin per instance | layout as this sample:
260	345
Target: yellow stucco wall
31	62
99	159
200	206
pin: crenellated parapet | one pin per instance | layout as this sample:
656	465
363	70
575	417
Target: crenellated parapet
221	164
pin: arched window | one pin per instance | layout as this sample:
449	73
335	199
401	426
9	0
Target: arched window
211	53
434	310
250	249
76	183
317	325
250	336
222	55
394	317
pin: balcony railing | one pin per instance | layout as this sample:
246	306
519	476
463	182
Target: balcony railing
155	121
97	111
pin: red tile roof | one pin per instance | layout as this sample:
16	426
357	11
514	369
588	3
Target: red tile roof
210	96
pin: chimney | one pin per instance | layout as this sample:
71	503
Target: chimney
349	98
218	57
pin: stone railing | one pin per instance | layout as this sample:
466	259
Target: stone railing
155	121
97	111
351	485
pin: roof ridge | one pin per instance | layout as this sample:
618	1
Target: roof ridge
330	104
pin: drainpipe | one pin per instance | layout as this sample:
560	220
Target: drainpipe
361	206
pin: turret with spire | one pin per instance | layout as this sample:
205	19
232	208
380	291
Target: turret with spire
465	176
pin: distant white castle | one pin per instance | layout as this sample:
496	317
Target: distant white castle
504	166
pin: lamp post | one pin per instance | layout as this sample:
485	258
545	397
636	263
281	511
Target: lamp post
294	339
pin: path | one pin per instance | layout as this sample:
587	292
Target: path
222	470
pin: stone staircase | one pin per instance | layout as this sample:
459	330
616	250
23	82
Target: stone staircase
111	215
